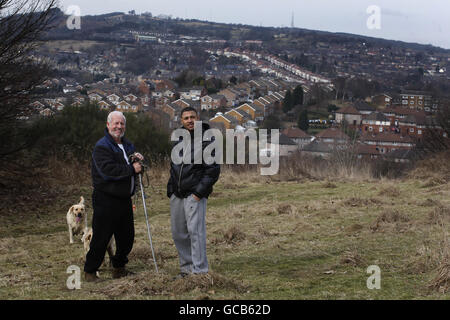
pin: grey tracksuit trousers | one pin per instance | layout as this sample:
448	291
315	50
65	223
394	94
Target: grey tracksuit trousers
188	224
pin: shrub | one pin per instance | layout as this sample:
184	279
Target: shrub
74	132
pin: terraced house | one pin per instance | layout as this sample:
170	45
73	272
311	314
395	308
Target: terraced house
385	142
348	115
417	100
226	120
376	122
213	101
255	111
241	116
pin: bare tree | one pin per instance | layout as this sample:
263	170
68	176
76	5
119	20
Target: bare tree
22	23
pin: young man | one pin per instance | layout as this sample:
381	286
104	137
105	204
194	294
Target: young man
188	189
114	184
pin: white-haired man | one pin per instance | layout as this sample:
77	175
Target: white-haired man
113	178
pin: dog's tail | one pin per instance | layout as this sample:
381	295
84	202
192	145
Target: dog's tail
81	200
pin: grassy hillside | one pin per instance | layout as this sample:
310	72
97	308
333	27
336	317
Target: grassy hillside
267	239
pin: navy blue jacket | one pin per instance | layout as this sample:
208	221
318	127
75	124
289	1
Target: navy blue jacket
198	179
110	172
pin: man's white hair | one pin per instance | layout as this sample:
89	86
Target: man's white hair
110	115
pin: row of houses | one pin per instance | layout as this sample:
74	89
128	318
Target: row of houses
418	100
395	119
271	64
296	70
124	103
162	92
333	140
234	94
235	105
247	114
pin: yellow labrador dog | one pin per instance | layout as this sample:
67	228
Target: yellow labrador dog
87	237
76	219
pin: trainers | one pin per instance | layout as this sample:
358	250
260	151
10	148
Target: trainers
91	277
121	272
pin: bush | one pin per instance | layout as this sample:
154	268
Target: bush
74	132
153	144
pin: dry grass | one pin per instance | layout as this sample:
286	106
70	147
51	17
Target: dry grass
430	203
353	258
329	184
207	282
339	167
285	209
388	219
354	228
439	215
233	235
441	282
150	283
358	202
268	238
425	259
434	170
389	191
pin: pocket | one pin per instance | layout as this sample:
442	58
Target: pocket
191	207
192	202
193	199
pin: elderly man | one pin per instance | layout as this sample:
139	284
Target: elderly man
188	188
113	178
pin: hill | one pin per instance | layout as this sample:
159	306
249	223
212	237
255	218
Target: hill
267	239
96	26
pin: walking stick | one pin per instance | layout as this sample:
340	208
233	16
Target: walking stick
146	220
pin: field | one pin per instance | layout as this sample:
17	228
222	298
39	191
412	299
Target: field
81	45
268	238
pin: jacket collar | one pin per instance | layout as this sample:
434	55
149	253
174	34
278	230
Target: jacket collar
111	139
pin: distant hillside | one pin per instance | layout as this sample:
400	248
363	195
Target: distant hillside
119	22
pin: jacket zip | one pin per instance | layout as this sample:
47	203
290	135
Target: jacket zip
179	179
181	172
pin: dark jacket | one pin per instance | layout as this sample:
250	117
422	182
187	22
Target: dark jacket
110	172
198	179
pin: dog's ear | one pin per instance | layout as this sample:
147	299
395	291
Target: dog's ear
71	209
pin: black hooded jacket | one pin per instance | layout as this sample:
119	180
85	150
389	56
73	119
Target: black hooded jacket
190	178
110	172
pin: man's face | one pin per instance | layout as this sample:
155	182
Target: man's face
188	118
116	127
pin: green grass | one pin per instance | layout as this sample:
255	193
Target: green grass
278	240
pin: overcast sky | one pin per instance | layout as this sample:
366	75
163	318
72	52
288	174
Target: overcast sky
421	21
